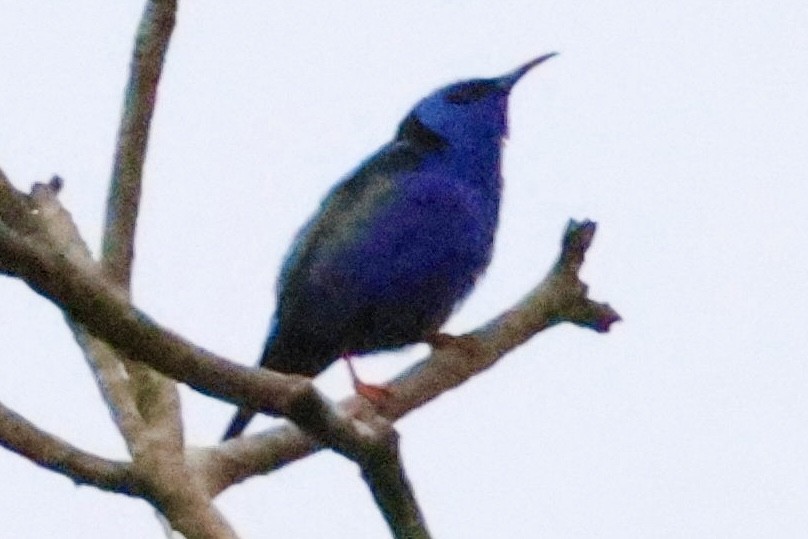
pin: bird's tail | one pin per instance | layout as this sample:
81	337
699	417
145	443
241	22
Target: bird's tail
239	423
245	414
281	358
274	357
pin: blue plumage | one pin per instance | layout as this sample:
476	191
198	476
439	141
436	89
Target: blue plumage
398	243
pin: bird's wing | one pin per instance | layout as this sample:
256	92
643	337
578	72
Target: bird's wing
346	214
391	225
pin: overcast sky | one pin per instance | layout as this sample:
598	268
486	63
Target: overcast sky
679	127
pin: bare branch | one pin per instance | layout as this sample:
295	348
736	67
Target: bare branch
159	472
177	493
123	200
55	226
87	299
560	297
237	459
41	217
384	474
113	382
106	313
22	437
159	462
16	209
195	517
156	397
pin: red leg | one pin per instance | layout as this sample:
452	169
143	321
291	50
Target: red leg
371	392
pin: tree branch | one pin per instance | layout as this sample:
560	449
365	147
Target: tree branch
560	297
105	313
384	474
144	404
22	437
123	201
55	227
42	249
159	472
156	398
54	261
108	315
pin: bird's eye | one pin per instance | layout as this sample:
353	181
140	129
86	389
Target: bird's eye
470	92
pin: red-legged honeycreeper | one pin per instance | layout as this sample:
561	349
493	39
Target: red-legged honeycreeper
400	241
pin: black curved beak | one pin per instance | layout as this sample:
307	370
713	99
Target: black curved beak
506	82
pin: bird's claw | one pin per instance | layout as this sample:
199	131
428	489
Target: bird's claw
373	393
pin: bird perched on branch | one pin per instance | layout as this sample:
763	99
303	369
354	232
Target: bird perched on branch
400	241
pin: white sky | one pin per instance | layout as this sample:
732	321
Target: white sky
680	127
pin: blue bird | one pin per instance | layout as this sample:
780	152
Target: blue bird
400	241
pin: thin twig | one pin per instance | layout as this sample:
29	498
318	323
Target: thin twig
383	471
156	398
123	200
22	437
55	227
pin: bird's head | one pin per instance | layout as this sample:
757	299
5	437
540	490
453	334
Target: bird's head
467	112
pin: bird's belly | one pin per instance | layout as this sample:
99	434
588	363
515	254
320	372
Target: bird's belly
403	284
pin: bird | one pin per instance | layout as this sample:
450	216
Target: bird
397	243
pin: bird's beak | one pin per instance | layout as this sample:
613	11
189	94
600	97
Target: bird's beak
506	82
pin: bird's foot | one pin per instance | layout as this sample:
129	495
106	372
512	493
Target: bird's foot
373	393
